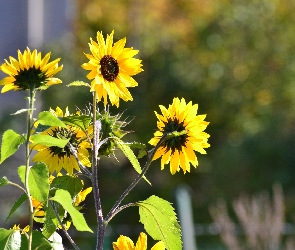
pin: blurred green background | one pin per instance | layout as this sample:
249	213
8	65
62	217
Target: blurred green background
235	58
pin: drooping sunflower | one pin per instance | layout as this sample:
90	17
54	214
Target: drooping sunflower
111	69
125	243
180	117
30	71
57	158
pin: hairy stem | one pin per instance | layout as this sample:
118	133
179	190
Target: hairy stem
98	208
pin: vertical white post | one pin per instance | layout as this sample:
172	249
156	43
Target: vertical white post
185	215
35	24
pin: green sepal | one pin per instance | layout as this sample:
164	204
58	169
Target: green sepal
39	242
160	221
38	180
81	121
78	83
16	205
47	118
10	143
70	183
64	198
10	239
4	181
130	155
49	141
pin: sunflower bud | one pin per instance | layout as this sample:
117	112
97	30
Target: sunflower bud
111	127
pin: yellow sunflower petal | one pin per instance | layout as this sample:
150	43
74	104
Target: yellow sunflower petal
141	243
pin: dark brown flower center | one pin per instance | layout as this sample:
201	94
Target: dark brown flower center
174	125
63	133
109	68
30	78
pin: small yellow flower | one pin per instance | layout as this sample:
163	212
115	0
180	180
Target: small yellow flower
30	71
111	68
125	243
57	158
179	151
23	231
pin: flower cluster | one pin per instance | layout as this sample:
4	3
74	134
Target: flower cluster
72	142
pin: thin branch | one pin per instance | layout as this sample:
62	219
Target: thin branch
63	227
137	179
81	166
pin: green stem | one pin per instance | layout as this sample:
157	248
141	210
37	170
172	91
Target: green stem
98	208
30	121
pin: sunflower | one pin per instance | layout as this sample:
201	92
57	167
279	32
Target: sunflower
57	158
125	243
111	68
30	71
179	150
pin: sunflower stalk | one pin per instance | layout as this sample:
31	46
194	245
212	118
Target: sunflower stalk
29	124
96	194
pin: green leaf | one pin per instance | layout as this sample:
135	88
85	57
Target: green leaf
131	156
49	141
141	146
50	222
70	183
39	242
38	182
81	121
16	205
160	221
22	173
47	118
10	239
10	143
4	181
78	83
136	145
64	198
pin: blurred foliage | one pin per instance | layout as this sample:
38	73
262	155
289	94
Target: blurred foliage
235	58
